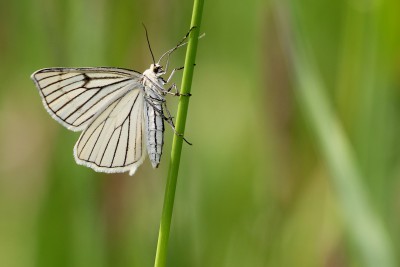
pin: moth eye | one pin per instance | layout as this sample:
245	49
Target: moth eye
157	69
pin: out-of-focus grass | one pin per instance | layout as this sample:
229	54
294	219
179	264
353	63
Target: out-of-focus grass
365	226
257	190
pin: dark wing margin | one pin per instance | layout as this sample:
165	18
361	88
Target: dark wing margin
74	96
114	140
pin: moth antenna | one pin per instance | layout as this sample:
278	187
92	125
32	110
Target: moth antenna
148	42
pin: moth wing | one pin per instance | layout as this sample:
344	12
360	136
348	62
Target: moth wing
114	140
74	96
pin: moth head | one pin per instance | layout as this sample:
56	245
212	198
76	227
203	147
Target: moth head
157	68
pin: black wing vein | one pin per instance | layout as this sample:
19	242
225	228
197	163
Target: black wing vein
104	149
69	97
61	87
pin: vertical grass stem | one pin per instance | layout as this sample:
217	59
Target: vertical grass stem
169	197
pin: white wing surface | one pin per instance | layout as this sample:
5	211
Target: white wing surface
114	140
74	96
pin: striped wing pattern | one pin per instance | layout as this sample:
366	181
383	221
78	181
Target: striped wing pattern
107	105
73	96
114	140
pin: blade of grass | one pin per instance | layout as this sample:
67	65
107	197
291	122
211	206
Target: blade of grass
364	225
169	197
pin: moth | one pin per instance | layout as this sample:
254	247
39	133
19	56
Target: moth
120	112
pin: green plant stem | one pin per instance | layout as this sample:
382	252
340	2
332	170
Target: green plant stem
169	197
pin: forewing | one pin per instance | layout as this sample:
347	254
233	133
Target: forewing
74	96
113	141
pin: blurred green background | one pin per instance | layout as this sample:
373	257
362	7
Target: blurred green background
294	119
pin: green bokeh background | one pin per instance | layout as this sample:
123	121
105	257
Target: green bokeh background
294	119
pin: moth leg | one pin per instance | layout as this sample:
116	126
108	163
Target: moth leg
179	134
173	86
164	91
168	119
159	111
149	97
177	93
172	73
168	91
171	123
